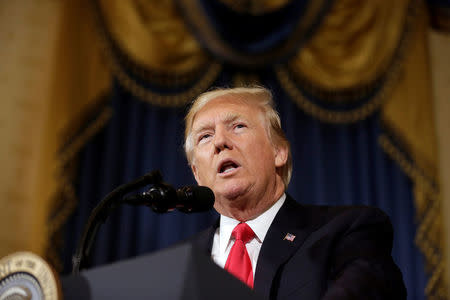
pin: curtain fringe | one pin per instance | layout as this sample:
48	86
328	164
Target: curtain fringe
171	100
78	142
429	220
410	169
65	199
331	116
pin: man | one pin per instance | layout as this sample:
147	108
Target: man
283	250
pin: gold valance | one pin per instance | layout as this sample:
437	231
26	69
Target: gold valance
355	44
153	34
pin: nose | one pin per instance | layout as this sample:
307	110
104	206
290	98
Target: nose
222	140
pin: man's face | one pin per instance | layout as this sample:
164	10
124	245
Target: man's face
232	153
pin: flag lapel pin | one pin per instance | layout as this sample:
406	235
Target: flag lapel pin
290	237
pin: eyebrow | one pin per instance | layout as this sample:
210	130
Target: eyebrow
231	117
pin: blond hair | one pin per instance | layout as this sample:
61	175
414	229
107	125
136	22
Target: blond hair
264	100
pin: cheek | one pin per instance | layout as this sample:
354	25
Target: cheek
266	154
201	169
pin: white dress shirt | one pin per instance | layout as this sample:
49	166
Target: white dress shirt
223	241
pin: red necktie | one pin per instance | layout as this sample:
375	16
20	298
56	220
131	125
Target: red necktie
238	262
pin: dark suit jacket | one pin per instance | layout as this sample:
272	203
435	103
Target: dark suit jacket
337	253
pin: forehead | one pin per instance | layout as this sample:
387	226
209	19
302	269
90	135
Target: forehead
228	107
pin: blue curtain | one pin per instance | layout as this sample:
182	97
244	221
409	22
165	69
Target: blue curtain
333	165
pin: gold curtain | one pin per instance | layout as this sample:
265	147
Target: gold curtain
24	91
51	75
358	43
409	116
440	66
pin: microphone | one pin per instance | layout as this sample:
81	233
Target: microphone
162	198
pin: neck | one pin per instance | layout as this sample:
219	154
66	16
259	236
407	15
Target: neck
249	206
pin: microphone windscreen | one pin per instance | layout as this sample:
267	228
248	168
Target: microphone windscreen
195	198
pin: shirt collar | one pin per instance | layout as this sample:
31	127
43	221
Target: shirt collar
260	225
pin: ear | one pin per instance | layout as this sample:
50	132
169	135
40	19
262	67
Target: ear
194	171
281	155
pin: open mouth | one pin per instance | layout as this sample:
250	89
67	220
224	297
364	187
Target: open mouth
227	167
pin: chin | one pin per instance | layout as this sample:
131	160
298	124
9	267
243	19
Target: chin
233	191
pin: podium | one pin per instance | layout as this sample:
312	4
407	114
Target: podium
180	272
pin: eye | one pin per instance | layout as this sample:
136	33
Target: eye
240	126
204	137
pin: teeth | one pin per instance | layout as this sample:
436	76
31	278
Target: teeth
228	169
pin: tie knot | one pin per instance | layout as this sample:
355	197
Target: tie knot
243	232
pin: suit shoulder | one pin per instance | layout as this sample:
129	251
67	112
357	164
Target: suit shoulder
350	212
203	239
348	217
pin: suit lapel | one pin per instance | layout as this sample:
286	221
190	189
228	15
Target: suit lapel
291	218
204	239
276	250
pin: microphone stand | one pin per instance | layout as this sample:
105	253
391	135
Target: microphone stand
101	212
